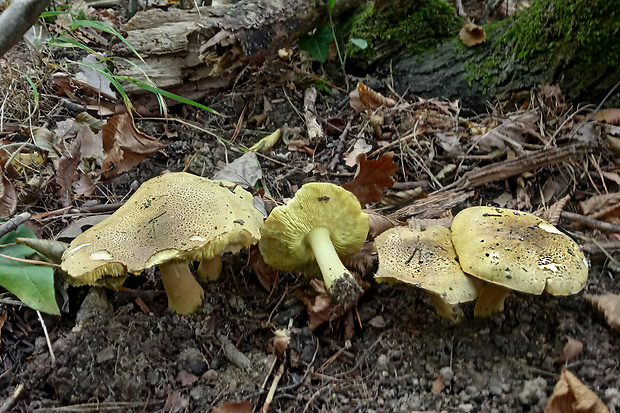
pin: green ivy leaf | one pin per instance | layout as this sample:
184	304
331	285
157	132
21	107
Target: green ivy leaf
32	284
317	44
361	43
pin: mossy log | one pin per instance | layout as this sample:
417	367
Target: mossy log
574	44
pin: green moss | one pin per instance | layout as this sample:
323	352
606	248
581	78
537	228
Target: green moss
585	30
406	30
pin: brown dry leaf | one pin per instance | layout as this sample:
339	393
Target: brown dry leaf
609	305
604	207
438	385
320	307
67	173
3	318
363	98
8	198
372	177
572	349
175	403
380	223
268	276
571	396
471	34
125	146
611	116
362	262
279	342
241	407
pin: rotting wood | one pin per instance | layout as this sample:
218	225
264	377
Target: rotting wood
192	52
431	207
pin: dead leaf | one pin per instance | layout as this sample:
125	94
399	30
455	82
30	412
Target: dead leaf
604	207
362	262
609	305
572	349
8	198
125	146
267	142
363	98
438	385
571	396
360	147
404	197
380	223
67	173
267	275
611	116
279	342
320	306
377	322
471	34
372	177
244	171
175	403
241	407
3	317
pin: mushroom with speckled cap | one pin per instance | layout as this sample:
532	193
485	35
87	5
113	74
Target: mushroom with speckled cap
321	225
170	221
426	259
514	250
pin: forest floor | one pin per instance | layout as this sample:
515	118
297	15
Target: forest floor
126	351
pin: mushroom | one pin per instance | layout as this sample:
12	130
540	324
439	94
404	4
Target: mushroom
514	250
427	260
321	225
170	221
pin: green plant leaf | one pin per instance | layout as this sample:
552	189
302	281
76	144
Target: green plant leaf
361	43
104	27
331	5
317	44
32	284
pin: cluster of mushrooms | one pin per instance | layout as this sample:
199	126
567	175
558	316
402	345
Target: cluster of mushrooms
176	219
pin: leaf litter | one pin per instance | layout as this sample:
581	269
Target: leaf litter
95	161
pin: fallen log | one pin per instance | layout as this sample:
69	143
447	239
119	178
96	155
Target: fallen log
192	52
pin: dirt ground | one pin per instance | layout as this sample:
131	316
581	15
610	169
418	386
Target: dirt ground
111	354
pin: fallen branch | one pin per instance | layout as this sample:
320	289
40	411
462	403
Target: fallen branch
17	19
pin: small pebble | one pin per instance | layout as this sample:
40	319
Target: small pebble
533	391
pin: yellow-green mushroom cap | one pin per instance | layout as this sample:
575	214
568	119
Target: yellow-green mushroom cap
518	251
176	217
323	214
425	259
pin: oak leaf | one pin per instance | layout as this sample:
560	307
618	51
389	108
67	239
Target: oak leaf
372	177
125	146
571	396
609	305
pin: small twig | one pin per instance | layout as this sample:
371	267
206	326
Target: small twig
272	389
340	147
47	339
27	261
13	223
590	222
11	401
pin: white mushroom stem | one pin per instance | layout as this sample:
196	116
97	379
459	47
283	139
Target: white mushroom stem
335	274
491	300
209	269
183	291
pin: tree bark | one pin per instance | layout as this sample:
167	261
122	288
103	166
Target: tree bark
189	52
574	44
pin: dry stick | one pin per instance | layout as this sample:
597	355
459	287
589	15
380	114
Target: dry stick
272	389
47	339
592	223
523	163
13	223
10	402
340	147
16	19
